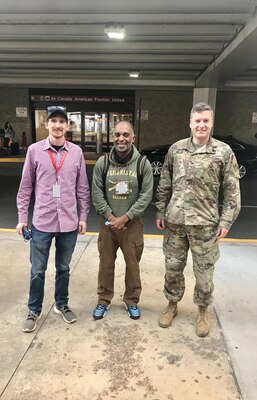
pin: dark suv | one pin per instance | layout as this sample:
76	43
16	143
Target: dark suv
246	155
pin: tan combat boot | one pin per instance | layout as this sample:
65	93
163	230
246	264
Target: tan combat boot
168	314
203	322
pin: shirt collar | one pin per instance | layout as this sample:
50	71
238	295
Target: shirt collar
47	145
206	148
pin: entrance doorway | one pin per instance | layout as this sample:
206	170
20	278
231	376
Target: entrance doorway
91	130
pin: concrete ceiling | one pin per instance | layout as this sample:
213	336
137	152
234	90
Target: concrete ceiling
172	43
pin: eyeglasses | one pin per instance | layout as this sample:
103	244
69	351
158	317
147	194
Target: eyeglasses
53	108
118	134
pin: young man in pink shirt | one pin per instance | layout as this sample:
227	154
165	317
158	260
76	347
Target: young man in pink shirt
55	170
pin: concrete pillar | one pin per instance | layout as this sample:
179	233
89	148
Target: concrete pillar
208	95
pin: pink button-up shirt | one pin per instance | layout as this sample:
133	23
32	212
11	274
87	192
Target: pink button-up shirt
54	214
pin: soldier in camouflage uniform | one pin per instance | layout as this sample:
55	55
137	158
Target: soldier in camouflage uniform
187	208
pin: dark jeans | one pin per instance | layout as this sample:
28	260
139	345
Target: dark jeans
39	253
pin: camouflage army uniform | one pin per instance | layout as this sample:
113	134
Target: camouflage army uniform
187	199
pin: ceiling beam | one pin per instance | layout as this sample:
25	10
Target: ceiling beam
237	57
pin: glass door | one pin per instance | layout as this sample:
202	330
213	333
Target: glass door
116	117
74	132
41	131
91	130
95	130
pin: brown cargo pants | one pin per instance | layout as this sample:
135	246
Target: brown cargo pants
131	243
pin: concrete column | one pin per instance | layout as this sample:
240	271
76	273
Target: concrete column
208	95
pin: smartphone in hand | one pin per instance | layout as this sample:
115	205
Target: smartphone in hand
26	234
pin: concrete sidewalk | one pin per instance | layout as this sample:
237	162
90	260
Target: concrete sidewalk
115	358
236	307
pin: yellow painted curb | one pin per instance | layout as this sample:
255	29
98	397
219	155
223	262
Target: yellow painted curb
11	160
153	236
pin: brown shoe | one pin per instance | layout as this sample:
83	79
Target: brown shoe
168	314
203	322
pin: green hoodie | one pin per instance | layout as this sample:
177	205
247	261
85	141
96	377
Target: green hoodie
105	199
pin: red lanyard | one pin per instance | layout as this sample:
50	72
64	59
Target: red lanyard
57	168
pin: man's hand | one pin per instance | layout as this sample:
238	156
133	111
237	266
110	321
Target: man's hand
118	223
221	232
19	227
160	223
82	228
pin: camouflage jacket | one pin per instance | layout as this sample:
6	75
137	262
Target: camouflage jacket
188	191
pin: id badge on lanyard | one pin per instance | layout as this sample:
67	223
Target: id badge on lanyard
56	190
56	186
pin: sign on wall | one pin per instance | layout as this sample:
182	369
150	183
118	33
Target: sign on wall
21	112
144	115
84	99
254	118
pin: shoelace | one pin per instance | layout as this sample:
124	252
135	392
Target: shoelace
65	309
134	310
100	307
32	315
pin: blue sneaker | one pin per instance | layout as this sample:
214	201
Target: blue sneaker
133	311
100	311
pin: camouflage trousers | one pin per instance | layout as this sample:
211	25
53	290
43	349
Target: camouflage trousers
203	243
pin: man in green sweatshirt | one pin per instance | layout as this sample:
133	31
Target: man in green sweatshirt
121	190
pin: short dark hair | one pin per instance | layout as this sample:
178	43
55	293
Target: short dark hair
200	107
128	123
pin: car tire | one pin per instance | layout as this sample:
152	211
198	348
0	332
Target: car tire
243	170
156	167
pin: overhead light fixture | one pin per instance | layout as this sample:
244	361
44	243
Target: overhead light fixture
115	32
134	74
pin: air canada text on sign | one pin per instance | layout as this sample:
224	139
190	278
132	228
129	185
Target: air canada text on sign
82	99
